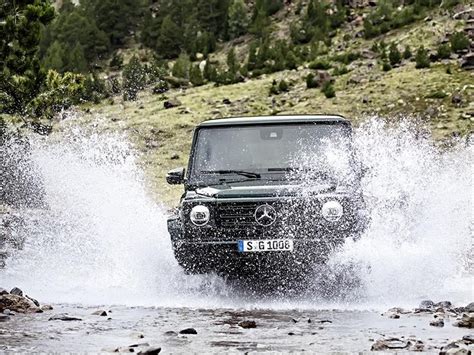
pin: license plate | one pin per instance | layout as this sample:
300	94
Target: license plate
250	246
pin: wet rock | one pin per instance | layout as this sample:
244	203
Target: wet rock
466	321
170	333
444	305
437	323
3	291
457	347
399	310
248	324
101	313
35	302
426	304
150	351
64	317
16	291
46	307
394	316
4	318
226	101
15	303
389	344
171	103
469	339
188	331
138	345
469	308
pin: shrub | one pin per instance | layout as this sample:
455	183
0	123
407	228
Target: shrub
311	81
444	51
283	86
181	67
116	62
195	76
347	58
274	88
60	92
341	70
394	55
328	90
386	66
133	79
407	53
320	64
436	95
459	41
421	58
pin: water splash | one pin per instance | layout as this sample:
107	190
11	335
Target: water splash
103	240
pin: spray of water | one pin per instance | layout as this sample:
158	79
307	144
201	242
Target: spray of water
103	240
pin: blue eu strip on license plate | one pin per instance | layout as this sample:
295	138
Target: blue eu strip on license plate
241	246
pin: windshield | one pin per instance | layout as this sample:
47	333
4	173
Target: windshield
274	151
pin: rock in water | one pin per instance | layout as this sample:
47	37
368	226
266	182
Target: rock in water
389	344
37	304
150	351
100	313
191	331
470	307
426	304
248	324
4	318
16	291
64	317
16	303
437	323
466	321
3	291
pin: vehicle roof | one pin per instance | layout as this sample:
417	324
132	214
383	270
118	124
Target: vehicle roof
233	121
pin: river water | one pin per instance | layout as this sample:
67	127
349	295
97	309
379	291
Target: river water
103	241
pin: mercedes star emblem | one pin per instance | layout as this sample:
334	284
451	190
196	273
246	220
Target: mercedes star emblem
265	215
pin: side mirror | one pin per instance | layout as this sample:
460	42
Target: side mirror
175	176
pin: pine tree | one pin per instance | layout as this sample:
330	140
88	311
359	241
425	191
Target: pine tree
260	24
55	57
291	60
394	55
421	58
237	19
181	67
252	59
195	76
407	53
21	77
232	64
133	78
169	42
76	60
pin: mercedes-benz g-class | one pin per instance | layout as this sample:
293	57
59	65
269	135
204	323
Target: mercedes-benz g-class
262	193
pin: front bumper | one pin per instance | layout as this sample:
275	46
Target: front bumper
224	257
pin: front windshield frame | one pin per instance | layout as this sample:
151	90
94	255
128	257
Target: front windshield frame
196	179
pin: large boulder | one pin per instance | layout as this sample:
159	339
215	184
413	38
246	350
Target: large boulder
17	303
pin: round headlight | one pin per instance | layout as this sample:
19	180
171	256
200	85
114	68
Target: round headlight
199	215
332	211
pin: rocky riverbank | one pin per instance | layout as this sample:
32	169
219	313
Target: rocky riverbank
27	325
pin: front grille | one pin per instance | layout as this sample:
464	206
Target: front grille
236	215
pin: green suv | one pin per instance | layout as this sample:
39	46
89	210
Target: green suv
266	193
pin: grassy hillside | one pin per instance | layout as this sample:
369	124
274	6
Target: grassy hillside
442	95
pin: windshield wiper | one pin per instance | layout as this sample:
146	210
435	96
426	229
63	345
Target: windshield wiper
248	174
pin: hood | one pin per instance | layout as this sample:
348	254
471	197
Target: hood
239	191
